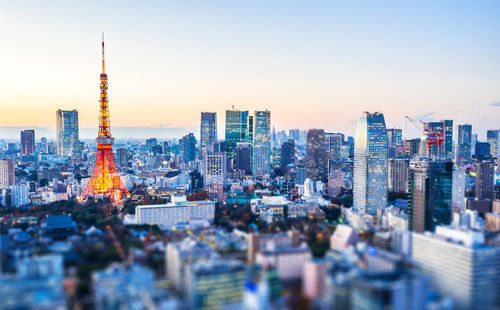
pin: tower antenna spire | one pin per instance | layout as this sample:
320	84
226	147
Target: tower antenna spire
103	53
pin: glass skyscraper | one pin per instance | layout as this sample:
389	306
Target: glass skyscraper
208	130
236	129
67	132
443	128
493	138
430	189
395	141
370	163
464	143
261	164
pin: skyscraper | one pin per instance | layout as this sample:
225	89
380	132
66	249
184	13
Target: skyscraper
7	177
458	191
444	128
187	147
208	130
483	151
333	146
485	179
27	142
105	179
493	138
287	154
430	189
464	143
261	163
317	157
398	175
67	132
370	163
236	129
243	157
395	142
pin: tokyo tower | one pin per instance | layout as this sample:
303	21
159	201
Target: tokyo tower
105	179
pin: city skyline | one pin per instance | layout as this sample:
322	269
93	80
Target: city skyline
316	69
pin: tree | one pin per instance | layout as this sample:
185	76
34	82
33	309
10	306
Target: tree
78	177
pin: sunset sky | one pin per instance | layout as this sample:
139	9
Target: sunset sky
314	64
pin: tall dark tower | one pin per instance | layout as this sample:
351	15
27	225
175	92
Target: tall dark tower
105	179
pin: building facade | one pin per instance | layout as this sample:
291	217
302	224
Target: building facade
187	147
236	130
317	157
27	142
208	130
430	189
178	211
214	169
464	143
67	132
460	265
370	180
398	175
261	164
485	179
7	177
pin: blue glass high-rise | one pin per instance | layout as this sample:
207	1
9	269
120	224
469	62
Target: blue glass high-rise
370	163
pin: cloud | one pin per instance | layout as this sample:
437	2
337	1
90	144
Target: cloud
427	117
495	104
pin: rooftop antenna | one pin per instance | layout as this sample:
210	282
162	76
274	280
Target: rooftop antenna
103	53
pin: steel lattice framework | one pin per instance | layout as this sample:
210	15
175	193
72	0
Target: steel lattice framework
105	179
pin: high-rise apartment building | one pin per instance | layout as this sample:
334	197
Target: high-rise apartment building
261	164
317	157
236	129
443	128
187	147
398	175
395	142
208	131
215	168
493	138
67	132
430	188
27	142
370	163
464	143
485	179
7	177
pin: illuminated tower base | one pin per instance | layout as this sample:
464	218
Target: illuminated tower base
105	179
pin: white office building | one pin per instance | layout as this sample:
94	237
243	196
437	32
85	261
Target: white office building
460	265
179	211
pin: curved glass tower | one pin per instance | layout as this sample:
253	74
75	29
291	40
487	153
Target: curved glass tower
370	163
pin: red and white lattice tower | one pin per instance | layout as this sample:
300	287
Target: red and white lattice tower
105	179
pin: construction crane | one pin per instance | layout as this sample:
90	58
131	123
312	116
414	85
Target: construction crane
433	137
